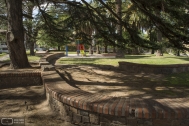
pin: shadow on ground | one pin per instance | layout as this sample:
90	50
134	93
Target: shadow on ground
28	102
113	82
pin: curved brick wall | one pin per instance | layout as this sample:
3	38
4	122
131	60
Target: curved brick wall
49	57
81	107
156	69
87	109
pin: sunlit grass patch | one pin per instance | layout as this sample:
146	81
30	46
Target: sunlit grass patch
157	60
33	58
141	59
2	54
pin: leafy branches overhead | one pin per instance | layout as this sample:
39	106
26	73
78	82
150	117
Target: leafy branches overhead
98	18
170	17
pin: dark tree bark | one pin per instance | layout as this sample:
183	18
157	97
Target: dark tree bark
97	49
135	51
152	51
32	52
58	48
120	52
114	49
105	49
159	39
15	35
178	53
30	32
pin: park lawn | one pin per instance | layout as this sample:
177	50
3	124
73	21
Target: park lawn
30	58
89	61
33	58
2	54
141	59
177	79
157	60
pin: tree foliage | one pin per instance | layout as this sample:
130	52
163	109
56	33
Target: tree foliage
57	19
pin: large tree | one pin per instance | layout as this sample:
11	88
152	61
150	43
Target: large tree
172	22
15	35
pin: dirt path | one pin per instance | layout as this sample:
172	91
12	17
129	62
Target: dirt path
28	103
120	83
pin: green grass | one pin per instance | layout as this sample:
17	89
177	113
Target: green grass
33	58
2	54
175	80
86	61
141	59
166	92
179	79
157	60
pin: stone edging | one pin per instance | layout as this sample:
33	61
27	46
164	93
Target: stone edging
86	109
156	69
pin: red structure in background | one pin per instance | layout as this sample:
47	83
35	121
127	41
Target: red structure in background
81	47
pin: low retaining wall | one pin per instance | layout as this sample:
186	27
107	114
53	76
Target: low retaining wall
15	79
44	61
156	69
50	57
87	109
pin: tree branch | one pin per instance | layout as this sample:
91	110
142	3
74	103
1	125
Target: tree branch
27	16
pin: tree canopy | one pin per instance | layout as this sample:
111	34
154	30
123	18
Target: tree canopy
99	19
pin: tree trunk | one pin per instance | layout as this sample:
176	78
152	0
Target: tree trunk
32	52
15	35
159	39
30	39
120	52
105	49
58	48
135	51
91	51
152	51
97	49
178	53
114	49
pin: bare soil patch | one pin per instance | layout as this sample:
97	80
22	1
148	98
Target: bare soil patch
28	102
119	83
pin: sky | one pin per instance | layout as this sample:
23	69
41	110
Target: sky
35	11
